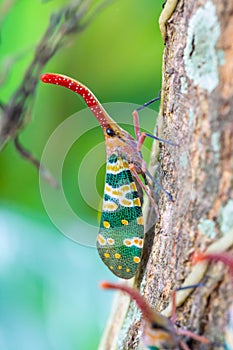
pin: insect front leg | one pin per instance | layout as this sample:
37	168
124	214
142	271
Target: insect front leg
143	135
136	124
135	114
141	138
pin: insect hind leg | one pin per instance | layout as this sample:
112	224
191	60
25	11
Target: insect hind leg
158	184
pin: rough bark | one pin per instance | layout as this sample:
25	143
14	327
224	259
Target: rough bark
196	113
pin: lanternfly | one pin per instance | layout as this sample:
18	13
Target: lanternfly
120	238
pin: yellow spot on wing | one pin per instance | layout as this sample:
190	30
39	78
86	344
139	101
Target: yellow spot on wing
101	239
137	202
107	189
113	168
119	267
127	242
127	270
126	202
136	259
133	186
117	256
140	220
110	206
138	242
106	255
116	193
106	224
125	188
110	241
124	222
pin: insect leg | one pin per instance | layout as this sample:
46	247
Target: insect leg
136	124
194	336
144	168
135	114
183	345
173	301
161	140
173	298
143	186
185	332
141	138
149	102
157	183
143	135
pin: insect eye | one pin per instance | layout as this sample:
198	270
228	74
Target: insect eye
154	325
110	132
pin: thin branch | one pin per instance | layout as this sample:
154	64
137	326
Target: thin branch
73	18
30	158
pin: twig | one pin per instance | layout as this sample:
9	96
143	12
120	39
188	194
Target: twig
73	18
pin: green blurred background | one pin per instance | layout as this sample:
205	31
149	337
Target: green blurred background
49	295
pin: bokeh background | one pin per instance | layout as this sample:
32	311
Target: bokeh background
49	294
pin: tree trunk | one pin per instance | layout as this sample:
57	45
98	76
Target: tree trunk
197	114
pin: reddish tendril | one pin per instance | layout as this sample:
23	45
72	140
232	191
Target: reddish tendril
225	258
134	294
